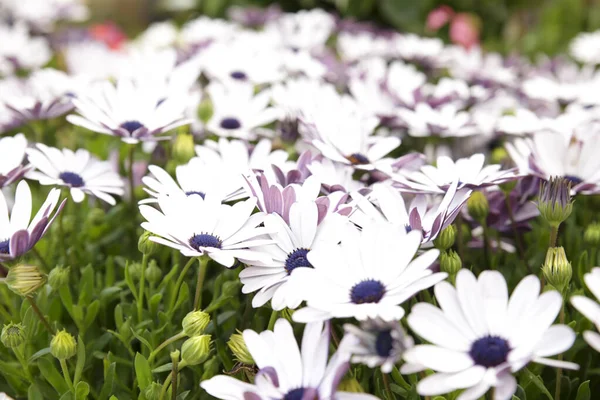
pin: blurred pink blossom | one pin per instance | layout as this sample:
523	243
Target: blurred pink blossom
464	30
439	17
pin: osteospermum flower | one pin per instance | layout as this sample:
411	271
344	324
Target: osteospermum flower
18	232
480	337
12	152
78	171
129	111
20	50
285	371
589	308
197	226
446	121
368	275
306	230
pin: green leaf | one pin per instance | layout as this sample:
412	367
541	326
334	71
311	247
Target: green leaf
86	286
91	313
163	368
67	396
583	393
39	354
538	382
119	317
34	393
108	292
52	375
142	371
80	359
184	395
154	303
184	295
582	267
130	283
82	390
142	339
109	379
66	298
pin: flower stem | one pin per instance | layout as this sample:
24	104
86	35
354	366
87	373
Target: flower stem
167	342
65	370
272	320
553	235
174	371
23	362
202	264
388	389
40	315
140	299
560	357
179	282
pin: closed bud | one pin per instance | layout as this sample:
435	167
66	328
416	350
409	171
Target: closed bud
554	201
13	335
152	391
350	385
446	238
59	277
153	273
63	345
592	234
25	279
499	155
557	269
145	245
135	270
195	322
205	110
96	216
237	345
183	148
196	349
478	206
450	262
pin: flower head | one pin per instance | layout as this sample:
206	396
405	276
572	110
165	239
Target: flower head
554	201
25	279
63	345
12	152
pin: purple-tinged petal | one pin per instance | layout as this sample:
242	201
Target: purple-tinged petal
414	219
19	243
270	374
38	231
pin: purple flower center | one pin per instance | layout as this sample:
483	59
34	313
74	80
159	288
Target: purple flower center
294	394
575	180
72	179
358	159
5	246
489	351
230	123
297	259
205	240
131	126
239	75
384	343
369	291
195	192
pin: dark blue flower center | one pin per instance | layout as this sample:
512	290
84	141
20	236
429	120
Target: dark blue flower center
5	246
369	291
358	159
72	179
205	240
230	123
408	228
131	126
195	192
297	259
239	75
575	180
384	343
294	394
489	351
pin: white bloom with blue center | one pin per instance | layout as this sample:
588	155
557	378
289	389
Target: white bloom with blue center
479	337
287	372
368	275
78	171
589	308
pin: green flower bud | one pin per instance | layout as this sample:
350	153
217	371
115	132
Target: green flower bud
183	148
25	279
152	392
499	155
68	222
478	206
196	349
135	270
153	273
350	385
145	245
195	322
557	269
446	238
554	201
592	234
63	345
96	216
450	262
59	277
13	335
237	345
205	110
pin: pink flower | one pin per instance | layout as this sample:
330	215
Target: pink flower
439	17
464	30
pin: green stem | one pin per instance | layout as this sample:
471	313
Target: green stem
179	282
43	265
167	342
23	362
388	389
560	357
140	299
168	379
40	315
174	372
272	320
65	370
553	235
202	264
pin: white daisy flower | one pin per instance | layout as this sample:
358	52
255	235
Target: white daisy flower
307	230
357	46
369	275
585	48
43	15
203	30
446	121
305	29
480	337
589	308
237	111
79	171
403	80
285	371
92	60
12	152
129	111
196	226
20	50
18	232
334	176
376	343
418	48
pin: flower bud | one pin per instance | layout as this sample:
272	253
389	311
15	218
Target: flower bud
557	269
478	206
237	345
446	238
95	217
196	349
152	391
350	385
59	277
153	273
25	279
554	201
592	234
195	322
63	345
135	270
183	148
145	245
450	262
13	335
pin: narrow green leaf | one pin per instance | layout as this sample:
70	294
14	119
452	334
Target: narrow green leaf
109	379
537	381
86	286
129	281
80	360
91	313
184	395
142	371
163	368
184	295
142	339
52	375
583	393
66	298
39	354
34	393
